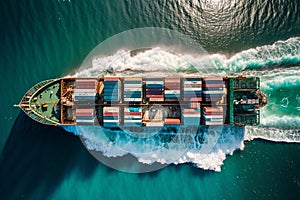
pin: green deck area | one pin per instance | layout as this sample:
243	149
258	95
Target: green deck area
46	102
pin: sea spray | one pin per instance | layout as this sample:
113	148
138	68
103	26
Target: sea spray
281	53
154	61
273	134
208	153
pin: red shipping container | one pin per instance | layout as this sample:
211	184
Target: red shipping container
172	121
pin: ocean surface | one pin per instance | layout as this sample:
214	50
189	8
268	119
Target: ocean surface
47	39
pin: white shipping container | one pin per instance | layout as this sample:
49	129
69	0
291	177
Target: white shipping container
132	85
84	90
192	82
192	89
111	109
191	115
155	124
213	116
213	92
172	91
84	121
132	117
111	120
155	82
85	94
214	123
132	99
132	121
133	89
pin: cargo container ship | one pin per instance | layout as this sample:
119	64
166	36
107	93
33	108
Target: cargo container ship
141	102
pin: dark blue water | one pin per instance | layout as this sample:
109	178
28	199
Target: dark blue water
48	39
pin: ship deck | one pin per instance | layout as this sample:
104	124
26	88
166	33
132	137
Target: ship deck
155	102
46	102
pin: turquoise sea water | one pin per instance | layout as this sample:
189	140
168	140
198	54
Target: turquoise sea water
47	39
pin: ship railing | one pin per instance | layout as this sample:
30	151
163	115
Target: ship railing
39	118
38	86
26	98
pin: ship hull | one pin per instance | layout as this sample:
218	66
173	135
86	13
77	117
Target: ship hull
144	103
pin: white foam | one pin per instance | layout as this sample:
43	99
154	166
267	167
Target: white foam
281	81
280	121
281	52
159	61
273	134
95	140
154	61
210	156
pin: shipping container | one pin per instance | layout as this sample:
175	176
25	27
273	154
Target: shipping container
213	115
132	89
155	89
191	116
85	90
213	89
86	84
84	116
172	121
111	116
192	88
111	89
132	116
172	88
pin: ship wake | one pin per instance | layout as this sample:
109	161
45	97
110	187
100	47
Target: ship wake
278	66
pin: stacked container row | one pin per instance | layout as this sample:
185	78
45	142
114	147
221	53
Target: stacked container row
213	89
85	89
192	89
84	116
111	89
191	116
132	89
111	116
172	88
213	115
155	89
132	116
